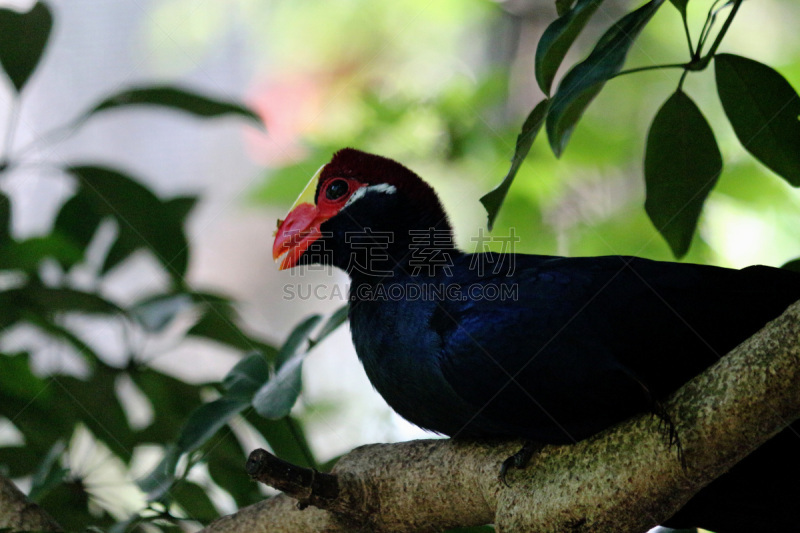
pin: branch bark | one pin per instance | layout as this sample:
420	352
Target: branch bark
627	478
17	513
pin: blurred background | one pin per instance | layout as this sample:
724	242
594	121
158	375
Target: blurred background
442	87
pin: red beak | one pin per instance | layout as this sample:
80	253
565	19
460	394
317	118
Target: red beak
300	228
296	233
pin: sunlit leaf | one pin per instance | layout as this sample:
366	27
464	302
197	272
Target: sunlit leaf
682	165
493	200
28	255
178	99
586	79
18	381
764	111
557	39
46	418
23	38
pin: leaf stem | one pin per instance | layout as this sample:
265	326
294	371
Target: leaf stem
650	67
688	37
706	29
683	78
722	31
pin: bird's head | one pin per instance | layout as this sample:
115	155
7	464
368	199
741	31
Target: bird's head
356	204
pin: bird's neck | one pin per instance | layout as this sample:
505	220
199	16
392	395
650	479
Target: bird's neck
409	256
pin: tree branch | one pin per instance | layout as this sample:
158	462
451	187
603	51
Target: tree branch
627	478
17	513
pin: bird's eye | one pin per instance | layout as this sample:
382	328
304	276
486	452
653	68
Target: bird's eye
336	189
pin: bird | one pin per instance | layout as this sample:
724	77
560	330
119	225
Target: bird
547	349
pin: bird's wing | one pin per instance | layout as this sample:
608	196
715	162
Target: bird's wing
582	343
530	361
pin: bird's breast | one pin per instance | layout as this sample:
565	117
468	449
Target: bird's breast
401	357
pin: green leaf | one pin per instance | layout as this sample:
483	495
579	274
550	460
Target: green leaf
77	221
27	255
247	376
17	381
50	474
557	39
158	482
142	217
49	326
764	111
493	200
18	461
562	6
286	438
226	459
23	38
172	400
297	341
336	319
218	324
49	300
156	312
97	405
586	79
47	418
793	265
277	396
180	207
682	164
195	501
70	502
178	99
207	420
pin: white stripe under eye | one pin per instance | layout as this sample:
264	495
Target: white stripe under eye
384	188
